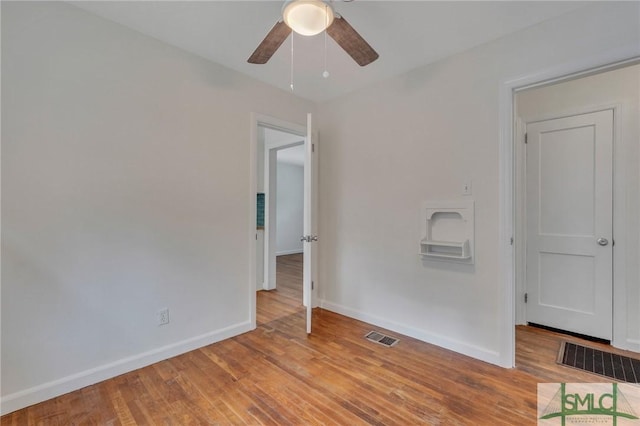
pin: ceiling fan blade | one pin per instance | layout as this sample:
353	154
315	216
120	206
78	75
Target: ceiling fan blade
352	42
270	44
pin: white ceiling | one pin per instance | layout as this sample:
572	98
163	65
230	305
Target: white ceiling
406	34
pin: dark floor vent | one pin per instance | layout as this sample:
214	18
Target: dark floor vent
382	339
604	363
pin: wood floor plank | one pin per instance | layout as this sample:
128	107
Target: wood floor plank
278	375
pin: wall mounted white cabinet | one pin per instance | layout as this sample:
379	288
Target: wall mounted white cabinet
447	230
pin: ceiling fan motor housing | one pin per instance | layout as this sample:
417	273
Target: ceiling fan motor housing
307	17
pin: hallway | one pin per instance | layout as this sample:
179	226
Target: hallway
286	299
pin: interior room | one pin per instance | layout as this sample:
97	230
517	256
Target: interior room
440	256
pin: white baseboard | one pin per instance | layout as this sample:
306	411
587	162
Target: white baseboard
286	252
483	354
45	391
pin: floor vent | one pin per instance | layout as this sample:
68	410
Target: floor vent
382	339
604	363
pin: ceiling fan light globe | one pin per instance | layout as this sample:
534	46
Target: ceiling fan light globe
307	17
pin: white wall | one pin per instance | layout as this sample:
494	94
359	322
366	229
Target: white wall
619	89
289	208
419	136
126	189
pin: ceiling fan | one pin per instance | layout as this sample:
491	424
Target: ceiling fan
311	17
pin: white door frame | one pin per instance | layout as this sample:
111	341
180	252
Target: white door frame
507	255
256	121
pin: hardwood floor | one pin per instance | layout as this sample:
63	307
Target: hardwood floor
277	375
287	299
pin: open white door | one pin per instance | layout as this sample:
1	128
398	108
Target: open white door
310	236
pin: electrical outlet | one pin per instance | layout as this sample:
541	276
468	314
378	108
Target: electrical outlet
163	316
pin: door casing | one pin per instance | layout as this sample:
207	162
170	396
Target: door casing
508	220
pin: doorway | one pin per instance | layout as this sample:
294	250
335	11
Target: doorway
576	194
269	137
282	157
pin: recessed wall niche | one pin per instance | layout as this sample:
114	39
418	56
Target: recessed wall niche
447	230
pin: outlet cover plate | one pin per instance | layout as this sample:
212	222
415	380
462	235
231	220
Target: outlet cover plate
163	316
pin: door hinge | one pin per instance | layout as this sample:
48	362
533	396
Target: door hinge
312	285
526	297
313	147
511	241
526	137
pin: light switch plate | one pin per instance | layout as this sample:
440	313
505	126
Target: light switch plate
466	187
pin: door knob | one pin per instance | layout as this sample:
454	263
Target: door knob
314	238
602	241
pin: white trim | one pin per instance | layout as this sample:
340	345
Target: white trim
253	213
506	231
519	228
282	125
473	351
288	252
45	391
605	60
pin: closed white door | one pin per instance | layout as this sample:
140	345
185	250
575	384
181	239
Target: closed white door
569	223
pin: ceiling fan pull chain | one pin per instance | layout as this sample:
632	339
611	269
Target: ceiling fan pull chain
325	73
291	83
